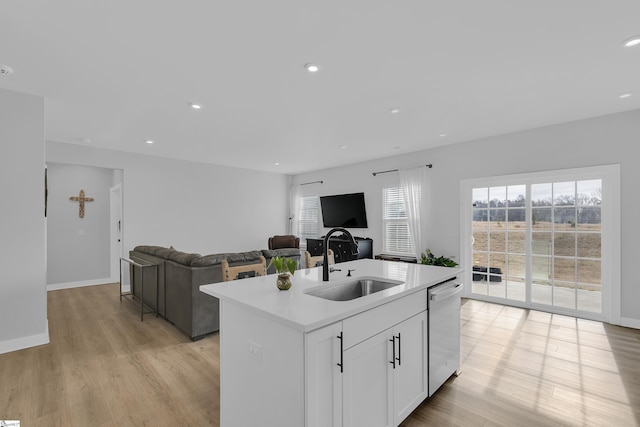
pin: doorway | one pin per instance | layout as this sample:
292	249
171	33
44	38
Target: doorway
84	243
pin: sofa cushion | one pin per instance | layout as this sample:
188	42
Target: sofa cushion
182	257
148	249
241	257
284	252
207	260
165	252
252	255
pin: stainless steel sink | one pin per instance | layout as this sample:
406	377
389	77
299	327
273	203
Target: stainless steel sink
352	290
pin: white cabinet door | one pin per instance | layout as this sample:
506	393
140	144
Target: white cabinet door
323	381
410	375
378	392
367	383
377	382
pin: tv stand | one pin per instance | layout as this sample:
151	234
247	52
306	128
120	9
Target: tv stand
342	247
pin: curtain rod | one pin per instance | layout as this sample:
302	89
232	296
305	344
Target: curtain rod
396	170
312	182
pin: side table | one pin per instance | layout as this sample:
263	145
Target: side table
129	295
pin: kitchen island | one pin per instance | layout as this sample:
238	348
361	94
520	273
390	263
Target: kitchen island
289	358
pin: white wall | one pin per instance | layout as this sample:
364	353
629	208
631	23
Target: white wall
78	249
194	207
23	297
611	139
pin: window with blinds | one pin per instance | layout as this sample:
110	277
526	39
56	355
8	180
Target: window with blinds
308	218
396	239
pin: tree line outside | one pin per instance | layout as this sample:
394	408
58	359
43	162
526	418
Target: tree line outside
563	209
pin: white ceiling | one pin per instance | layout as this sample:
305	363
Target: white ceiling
120	72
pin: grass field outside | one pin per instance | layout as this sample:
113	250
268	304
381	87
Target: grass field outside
565	262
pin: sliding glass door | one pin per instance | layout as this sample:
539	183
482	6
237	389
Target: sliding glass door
499	241
536	240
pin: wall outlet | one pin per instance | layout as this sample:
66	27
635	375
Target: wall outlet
255	351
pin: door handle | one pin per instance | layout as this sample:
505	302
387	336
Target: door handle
399	350
341	354
393	357
444	294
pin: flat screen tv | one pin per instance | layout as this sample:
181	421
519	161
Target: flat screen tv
344	210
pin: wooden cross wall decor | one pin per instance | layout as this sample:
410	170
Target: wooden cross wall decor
82	199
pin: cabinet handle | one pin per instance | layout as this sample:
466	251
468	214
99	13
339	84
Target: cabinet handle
393	358
341	354
399	350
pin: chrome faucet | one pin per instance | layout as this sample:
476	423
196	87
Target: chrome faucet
325	249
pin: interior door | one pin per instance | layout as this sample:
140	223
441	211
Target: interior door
115	218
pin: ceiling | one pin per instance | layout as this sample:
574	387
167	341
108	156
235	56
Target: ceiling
117	73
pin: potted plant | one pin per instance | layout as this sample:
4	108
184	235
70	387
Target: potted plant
285	267
428	258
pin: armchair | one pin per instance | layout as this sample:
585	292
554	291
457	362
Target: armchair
286	241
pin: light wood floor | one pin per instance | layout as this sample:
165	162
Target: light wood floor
519	368
104	367
529	368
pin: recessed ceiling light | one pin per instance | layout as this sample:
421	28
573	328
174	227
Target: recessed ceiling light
633	41
195	106
625	95
5	69
442	135
394	110
276	163
148	141
312	68
344	147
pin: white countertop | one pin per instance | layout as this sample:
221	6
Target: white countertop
295	308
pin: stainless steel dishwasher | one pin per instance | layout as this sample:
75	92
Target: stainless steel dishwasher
444	332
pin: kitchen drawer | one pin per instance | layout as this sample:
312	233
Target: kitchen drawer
365	325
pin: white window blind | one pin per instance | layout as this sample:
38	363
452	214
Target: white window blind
308	218
396	239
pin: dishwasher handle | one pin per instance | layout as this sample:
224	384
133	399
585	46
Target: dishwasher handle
439	295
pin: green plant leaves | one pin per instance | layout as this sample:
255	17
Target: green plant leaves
283	264
428	258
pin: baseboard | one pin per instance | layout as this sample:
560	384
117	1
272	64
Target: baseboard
630	323
69	285
26	342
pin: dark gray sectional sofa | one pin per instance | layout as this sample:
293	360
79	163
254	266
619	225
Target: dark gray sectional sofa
179	276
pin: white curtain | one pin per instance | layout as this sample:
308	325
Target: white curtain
294	208
413	182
